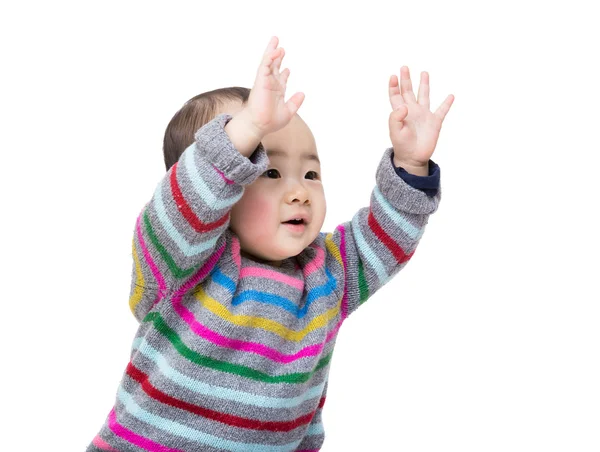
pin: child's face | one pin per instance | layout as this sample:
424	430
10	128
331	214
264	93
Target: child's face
290	187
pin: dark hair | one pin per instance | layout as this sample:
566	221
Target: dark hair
194	114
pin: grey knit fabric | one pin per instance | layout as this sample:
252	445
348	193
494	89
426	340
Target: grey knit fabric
233	354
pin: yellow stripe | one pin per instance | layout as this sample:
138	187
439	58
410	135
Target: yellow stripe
138	292
260	322
333	249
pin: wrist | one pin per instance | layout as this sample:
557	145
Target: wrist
244	136
417	169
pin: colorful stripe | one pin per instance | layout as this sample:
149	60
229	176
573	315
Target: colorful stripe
175	269
201	187
139	282
385	238
257	272
162	287
186	248
223	366
187	211
131	436
195	352
284	302
235	421
266	324
399	220
227	181
212	390
101	444
183	431
367	252
363	285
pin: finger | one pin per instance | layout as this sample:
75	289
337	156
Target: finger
277	62
400	113
294	103
406	85
396	124
396	99
265	66
423	96
284	75
443	109
272	45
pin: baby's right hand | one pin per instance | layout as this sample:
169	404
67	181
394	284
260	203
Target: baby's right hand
266	108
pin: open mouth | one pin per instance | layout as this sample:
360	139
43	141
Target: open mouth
295	226
300	221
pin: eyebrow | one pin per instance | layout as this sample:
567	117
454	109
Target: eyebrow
305	155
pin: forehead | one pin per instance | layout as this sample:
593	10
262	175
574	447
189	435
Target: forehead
294	141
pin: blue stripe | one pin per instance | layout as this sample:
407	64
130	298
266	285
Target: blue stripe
186	248
272	299
366	252
202	189
212	390
399	220
177	429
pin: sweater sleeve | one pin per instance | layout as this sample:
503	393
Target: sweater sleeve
428	184
380	239
183	224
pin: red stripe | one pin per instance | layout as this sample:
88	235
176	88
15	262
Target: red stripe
187	211
228	419
398	252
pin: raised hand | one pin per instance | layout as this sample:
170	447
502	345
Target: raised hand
414	129
266	106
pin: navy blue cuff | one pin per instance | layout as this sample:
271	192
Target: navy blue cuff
427	184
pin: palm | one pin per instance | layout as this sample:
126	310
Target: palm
415	136
267	97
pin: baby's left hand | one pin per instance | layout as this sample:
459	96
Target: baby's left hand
414	129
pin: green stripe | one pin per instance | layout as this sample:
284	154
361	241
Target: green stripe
177	272
362	283
224	366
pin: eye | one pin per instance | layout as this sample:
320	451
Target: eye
271	174
314	173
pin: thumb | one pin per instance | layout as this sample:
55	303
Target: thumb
400	113
396	121
294	103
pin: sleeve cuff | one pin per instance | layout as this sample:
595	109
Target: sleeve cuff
402	195
213	143
427	184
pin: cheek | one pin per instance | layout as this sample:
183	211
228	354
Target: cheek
252	211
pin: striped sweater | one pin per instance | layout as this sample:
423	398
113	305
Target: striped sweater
233	354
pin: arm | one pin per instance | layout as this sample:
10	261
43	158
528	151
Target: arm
183	224
381	238
182	228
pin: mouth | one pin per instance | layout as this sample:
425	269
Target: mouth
295	225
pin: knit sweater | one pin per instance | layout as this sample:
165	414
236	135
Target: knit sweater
233	354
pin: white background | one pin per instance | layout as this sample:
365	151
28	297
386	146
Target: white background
487	341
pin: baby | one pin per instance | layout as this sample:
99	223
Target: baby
239	295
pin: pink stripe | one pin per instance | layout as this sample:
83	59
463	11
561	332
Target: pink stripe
134	438
235	344
101	444
273	275
228	181
343	254
155	271
235	252
223	341
316	263
334	331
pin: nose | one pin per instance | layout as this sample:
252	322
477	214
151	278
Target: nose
297	193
